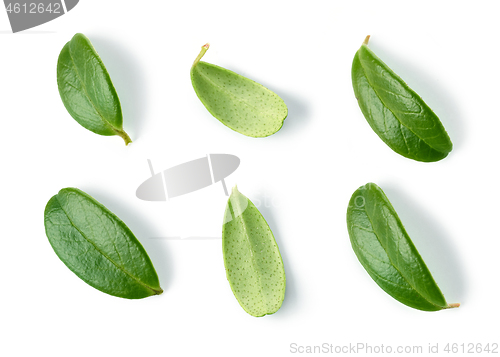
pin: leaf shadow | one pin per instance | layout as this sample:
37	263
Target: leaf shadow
142	229
291	291
432	92
298	110
433	243
298	113
129	80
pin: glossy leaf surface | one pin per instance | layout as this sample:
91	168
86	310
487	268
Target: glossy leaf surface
395	112
387	253
86	89
98	247
238	102
254	267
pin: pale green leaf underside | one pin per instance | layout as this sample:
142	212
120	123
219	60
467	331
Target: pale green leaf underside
98	247
238	102
254	267
387	253
86	89
395	112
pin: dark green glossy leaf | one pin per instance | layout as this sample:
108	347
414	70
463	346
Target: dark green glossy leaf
395	112
387	253
86	89
238	102
98	247
252	259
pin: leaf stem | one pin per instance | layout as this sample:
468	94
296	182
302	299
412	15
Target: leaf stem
204	49
454	305
365	42
157	291
124	136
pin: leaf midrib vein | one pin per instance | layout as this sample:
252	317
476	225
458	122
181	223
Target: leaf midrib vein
254	263
393	113
395	267
108	124
384	262
231	94
101	252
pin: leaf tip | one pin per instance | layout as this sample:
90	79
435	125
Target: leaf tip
365	42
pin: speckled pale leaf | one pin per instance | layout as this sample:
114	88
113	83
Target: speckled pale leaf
98	247
395	112
86	89
254	267
238	102
387	253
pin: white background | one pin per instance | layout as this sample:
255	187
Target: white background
447	52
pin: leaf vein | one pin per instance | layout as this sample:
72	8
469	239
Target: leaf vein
395	267
101	252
